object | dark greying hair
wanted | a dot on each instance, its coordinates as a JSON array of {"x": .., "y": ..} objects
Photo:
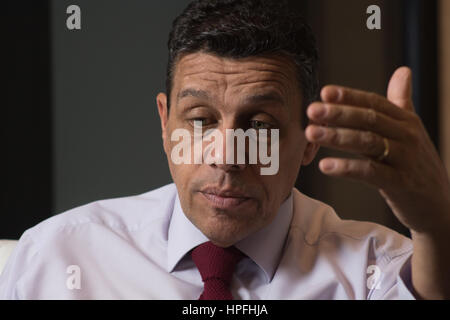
[{"x": 243, "y": 28}]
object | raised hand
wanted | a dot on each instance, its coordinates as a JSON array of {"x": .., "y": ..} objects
[{"x": 398, "y": 155}]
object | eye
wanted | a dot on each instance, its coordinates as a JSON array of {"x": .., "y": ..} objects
[
  {"x": 258, "y": 125},
  {"x": 200, "y": 121}
]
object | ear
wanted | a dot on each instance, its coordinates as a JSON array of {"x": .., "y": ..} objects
[
  {"x": 161, "y": 101},
  {"x": 310, "y": 153},
  {"x": 310, "y": 150}
]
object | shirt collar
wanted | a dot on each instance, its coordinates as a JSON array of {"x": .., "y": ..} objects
[{"x": 264, "y": 247}]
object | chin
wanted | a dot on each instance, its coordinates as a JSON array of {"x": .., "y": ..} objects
[
  {"x": 224, "y": 233},
  {"x": 223, "y": 241}
]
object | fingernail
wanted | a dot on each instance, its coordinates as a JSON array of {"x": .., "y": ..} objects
[
  {"x": 332, "y": 95},
  {"x": 318, "y": 133},
  {"x": 317, "y": 111},
  {"x": 327, "y": 166}
]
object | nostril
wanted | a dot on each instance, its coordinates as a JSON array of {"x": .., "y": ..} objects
[{"x": 228, "y": 167}]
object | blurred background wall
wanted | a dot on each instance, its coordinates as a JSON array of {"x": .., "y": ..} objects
[
  {"x": 80, "y": 118},
  {"x": 354, "y": 56},
  {"x": 107, "y": 135},
  {"x": 444, "y": 79}
]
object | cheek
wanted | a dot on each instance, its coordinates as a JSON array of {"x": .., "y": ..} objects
[
  {"x": 291, "y": 152},
  {"x": 181, "y": 175}
]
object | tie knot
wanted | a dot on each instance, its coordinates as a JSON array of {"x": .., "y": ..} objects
[{"x": 215, "y": 262}]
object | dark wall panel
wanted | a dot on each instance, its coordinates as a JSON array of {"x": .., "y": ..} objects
[{"x": 26, "y": 117}]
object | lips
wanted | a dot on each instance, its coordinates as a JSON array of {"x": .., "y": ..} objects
[{"x": 225, "y": 198}]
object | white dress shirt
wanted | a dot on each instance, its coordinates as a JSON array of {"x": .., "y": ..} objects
[{"x": 138, "y": 248}]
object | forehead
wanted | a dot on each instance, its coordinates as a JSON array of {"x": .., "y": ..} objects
[{"x": 220, "y": 75}]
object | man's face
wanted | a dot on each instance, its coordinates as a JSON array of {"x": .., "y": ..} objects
[{"x": 229, "y": 202}]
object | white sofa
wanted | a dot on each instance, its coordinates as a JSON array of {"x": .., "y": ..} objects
[{"x": 6, "y": 247}]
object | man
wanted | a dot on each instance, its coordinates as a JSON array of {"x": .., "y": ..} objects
[{"x": 224, "y": 230}]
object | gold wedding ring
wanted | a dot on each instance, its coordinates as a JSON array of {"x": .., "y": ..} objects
[{"x": 386, "y": 150}]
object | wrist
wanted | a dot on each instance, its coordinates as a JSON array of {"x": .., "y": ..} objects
[{"x": 434, "y": 226}]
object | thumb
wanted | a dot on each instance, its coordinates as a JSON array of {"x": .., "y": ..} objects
[{"x": 400, "y": 89}]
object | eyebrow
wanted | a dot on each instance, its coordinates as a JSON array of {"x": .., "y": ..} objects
[
  {"x": 193, "y": 93},
  {"x": 264, "y": 98},
  {"x": 252, "y": 99}
]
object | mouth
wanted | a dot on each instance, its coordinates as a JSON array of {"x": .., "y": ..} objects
[{"x": 225, "y": 198}]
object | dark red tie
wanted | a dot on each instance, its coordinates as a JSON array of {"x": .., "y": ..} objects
[{"x": 216, "y": 266}]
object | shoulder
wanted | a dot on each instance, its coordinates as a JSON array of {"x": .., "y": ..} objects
[
  {"x": 319, "y": 225},
  {"x": 357, "y": 259},
  {"x": 124, "y": 213},
  {"x": 91, "y": 235}
]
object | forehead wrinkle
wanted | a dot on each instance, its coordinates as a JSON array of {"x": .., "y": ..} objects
[
  {"x": 276, "y": 72},
  {"x": 218, "y": 74},
  {"x": 230, "y": 67},
  {"x": 226, "y": 73},
  {"x": 267, "y": 73},
  {"x": 268, "y": 85},
  {"x": 256, "y": 91},
  {"x": 203, "y": 72},
  {"x": 249, "y": 82}
]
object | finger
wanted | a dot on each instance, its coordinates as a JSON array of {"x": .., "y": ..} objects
[
  {"x": 362, "y": 99},
  {"x": 355, "y": 118},
  {"x": 358, "y": 142},
  {"x": 374, "y": 173},
  {"x": 400, "y": 89}
]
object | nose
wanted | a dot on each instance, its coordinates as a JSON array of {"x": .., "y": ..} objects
[{"x": 229, "y": 149}]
